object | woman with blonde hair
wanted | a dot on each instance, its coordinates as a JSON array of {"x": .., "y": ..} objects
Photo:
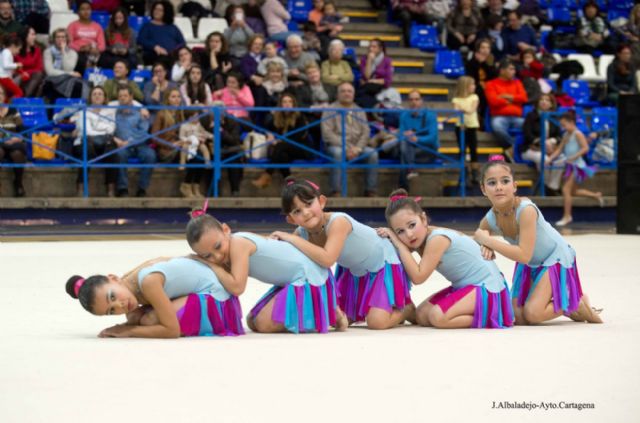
[{"x": 282, "y": 122}]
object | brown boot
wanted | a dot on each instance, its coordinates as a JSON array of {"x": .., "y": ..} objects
[
  {"x": 195, "y": 188},
  {"x": 185, "y": 190},
  {"x": 80, "y": 189},
  {"x": 263, "y": 181}
]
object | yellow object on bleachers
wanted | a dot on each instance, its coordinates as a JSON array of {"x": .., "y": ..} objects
[
  {"x": 370, "y": 37},
  {"x": 359, "y": 14},
  {"x": 424, "y": 91},
  {"x": 407, "y": 64},
  {"x": 481, "y": 150}
]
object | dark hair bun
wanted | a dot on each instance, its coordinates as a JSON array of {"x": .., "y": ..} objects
[
  {"x": 70, "y": 287},
  {"x": 399, "y": 191}
]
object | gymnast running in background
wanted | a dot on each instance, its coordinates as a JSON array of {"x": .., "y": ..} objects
[
  {"x": 546, "y": 284},
  {"x": 478, "y": 296},
  {"x": 161, "y": 298}
]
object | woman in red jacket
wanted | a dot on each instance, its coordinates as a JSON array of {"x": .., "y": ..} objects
[{"x": 32, "y": 71}]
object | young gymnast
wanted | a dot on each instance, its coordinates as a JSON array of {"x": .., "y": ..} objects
[
  {"x": 545, "y": 281},
  {"x": 162, "y": 298},
  {"x": 478, "y": 296},
  {"x": 573, "y": 146},
  {"x": 303, "y": 296},
  {"x": 371, "y": 282}
]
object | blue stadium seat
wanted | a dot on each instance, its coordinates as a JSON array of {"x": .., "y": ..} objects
[
  {"x": 292, "y": 26},
  {"x": 136, "y": 22},
  {"x": 603, "y": 118},
  {"x": 299, "y": 9},
  {"x": 31, "y": 116},
  {"x": 425, "y": 37},
  {"x": 602, "y": 4},
  {"x": 101, "y": 18},
  {"x": 580, "y": 91},
  {"x": 564, "y": 4},
  {"x": 140, "y": 76},
  {"x": 97, "y": 76},
  {"x": 614, "y": 14},
  {"x": 449, "y": 63},
  {"x": 561, "y": 20},
  {"x": 526, "y": 109},
  {"x": 621, "y": 4}
]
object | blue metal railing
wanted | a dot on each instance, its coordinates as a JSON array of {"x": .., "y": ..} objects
[{"x": 78, "y": 113}]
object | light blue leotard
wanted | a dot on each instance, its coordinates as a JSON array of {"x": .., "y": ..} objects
[
  {"x": 364, "y": 251},
  {"x": 571, "y": 148},
  {"x": 280, "y": 263},
  {"x": 184, "y": 276},
  {"x": 550, "y": 247},
  {"x": 462, "y": 263}
]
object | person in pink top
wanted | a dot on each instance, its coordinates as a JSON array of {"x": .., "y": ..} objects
[
  {"x": 235, "y": 94},
  {"x": 86, "y": 37},
  {"x": 276, "y": 17}
]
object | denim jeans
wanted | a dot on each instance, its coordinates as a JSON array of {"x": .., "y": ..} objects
[
  {"x": 409, "y": 153},
  {"x": 501, "y": 126},
  {"x": 146, "y": 155},
  {"x": 371, "y": 174}
]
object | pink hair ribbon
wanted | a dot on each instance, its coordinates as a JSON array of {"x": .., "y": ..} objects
[
  {"x": 496, "y": 157},
  {"x": 77, "y": 286},
  {"x": 200, "y": 212},
  {"x": 398, "y": 197},
  {"x": 313, "y": 185}
]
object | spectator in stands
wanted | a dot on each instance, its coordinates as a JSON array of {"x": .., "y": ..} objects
[
  {"x": 331, "y": 20},
  {"x": 253, "y": 16},
  {"x": 493, "y": 32},
  {"x": 495, "y": 8},
  {"x": 531, "y": 12},
  {"x": 482, "y": 69},
  {"x": 32, "y": 70},
  {"x": 275, "y": 15},
  {"x": 238, "y": 34},
  {"x": 59, "y": 64},
  {"x": 409, "y": 11},
  {"x": 165, "y": 131},
  {"x": 437, "y": 12},
  {"x": 336, "y": 70},
  {"x": 235, "y": 94},
  {"x": 160, "y": 37},
  {"x": 281, "y": 122},
  {"x": 271, "y": 56},
  {"x": 12, "y": 45},
  {"x": 632, "y": 33},
  {"x": 530, "y": 72},
  {"x": 250, "y": 62},
  {"x": 506, "y": 96},
  {"x": 194, "y": 90},
  {"x": 182, "y": 64},
  {"x": 593, "y": 31},
  {"x": 315, "y": 14},
  {"x": 155, "y": 90},
  {"x": 120, "y": 78},
  {"x": 530, "y": 148},
  {"x": 33, "y": 13},
  {"x": 101, "y": 125},
  {"x": 86, "y": 37},
  {"x": 418, "y": 128},
  {"x": 267, "y": 94},
  {"x": 377, "y": 73},
  {"x": 131, "y": 129},
  {"x": 12, "y": 148},
  {"x": 621, "y": 75},
  {"x": 356, "y": 138},
  {"x": 466, "y": 100},
  {"x": 315, "y": 94},
  {"x": 215, "y": 60},
  {"x": 8, "y": 24},
  {"x": 121, "y": 41},
  {"x": 517, "y": 37},
  {"x": 311, "y": 42},
  {"x": 463, "y": 24},
  {"x": 297, "y": 59}
]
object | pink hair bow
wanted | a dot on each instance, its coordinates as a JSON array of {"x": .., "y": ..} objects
[
  {"x": 78, "y": 285},
  {"x": 200, "y": 212}
]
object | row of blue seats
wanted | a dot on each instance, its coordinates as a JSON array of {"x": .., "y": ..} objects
[{"x": 135, "y": 22}]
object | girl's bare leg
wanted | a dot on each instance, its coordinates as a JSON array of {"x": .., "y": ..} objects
[
  {"x": 422, "y": 312},
  {"x": 150, "y": 318},
  {"x": 459, "y": 316},
  {"x": 567, "y": 190},
  {"x": 518, "y": 312},
  {"x": 379, "y": 319},
  {"x": 539, "y": 306},
  {"x": 263, "y": 323}
]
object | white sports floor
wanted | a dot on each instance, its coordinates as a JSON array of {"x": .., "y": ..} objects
[{"x": 53, "y": 368}]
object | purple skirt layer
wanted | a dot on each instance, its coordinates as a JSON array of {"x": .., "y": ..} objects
[
  {"x": 305, "y": 308},
  {"x": 565, "y": 285},
  {"x": 388, "y": 289},
  {"x": 203, "y": 315},
  {"x": 493, "y": 310},
  {"x": 581, "y": 173}
]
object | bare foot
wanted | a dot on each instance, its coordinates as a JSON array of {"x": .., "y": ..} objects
[
  {"x": 342, "y": 323},
  {"x": 410, "y": 314},
  {"x": 585, "y": 313},
  {"x": 600, "y": 199}
]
